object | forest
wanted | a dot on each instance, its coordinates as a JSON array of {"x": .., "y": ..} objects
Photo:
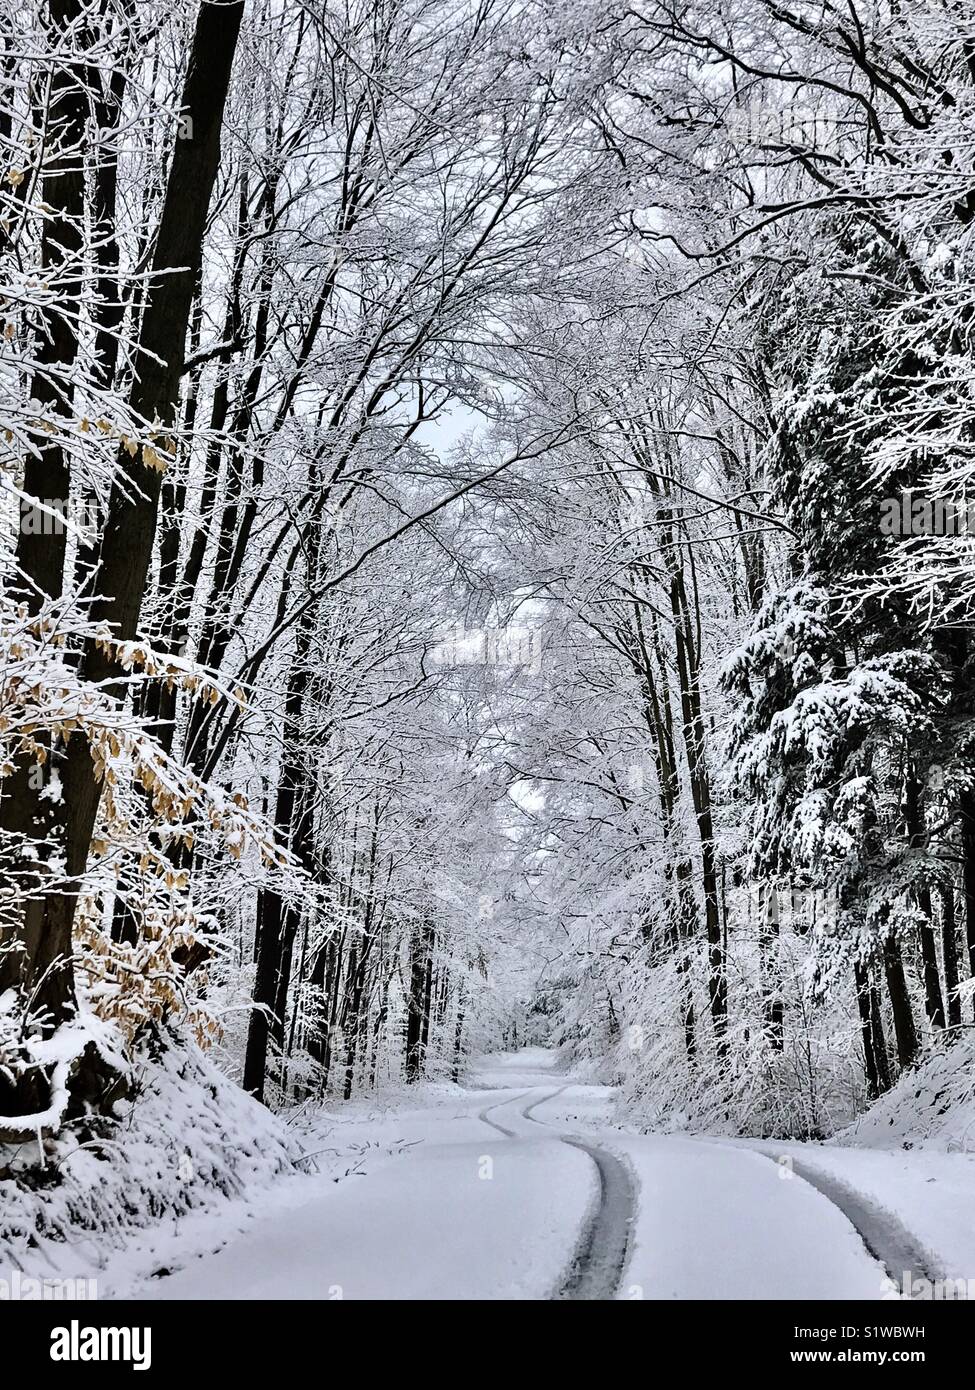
[{"x": 487, "y": 564}]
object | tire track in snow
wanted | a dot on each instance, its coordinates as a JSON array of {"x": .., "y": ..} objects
[
  {"x": 601, "y": 1254},
  {"x": 600, "y": 1258},
  {"x": 885, "y": 1238},
  {"x": 511, "y": 1100},
  {"x": 599, "y": 1262}
]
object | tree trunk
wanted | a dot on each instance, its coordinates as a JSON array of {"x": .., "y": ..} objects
[
  {"x": 904, "y": 1031},
  {"x": 35, "y": 952},
  {"x": 881, "y": 1057},
  {"x": 914, "y": 824},
  {"x": 277, "y": 921},
  {"x": 967, "y": 810},
  {"x": 949, "y": 953},
  {"x": 421, "y": 949},
  {"x": 693, "y": 729},
  {"x": 771, "y": 984},
  {"x": 130, "y": 527},
  {"x": 458, "y": 1036},
  {"x": 871, "y": 1027}
]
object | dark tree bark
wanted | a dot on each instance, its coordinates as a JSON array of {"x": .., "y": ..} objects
[
  {"x": 130, "y": 528},
  {"x": 967, "y": 810},
  {"x": 642, "y": 641},
  {"x": 427, "y": 1007},
  {"x": 420, "y": 954},
  {"x": 687, "y": 625},
  {"x": 458, "y": 1036},
  {"x": 771, "y": 984},
  {"x": 277, "y": 921},
  {"x": 914, "y": 824},
  {"x": 880, "y": 1053},
  {"x": 36, "y": 956},
  {"x": 871, "y": 1030},
  {"x": 905, "y": 1032},
  {"x": 949, "y": 952}
]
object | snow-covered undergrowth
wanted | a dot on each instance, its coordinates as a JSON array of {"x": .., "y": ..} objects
[
  {"x": 931, "y": 1107},
  {"x": 188, "y": 1141},
  {"x": 781, "y": 1095},
  {"x": 803, "y": 1081},
  {"x": 761, "y": 1095}
]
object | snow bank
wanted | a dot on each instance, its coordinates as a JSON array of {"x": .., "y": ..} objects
[
  {"x": 932, "y": 1107},
  {"x": 190, "y": 1140}
]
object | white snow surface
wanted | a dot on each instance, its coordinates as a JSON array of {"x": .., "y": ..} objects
[
  {"x": 427, "y": 1198},
  {"x": 473, "y": 1192},
  {"x": 190, "y": 1152}
]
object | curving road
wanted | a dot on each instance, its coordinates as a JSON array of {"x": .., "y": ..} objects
[
  {"x": 519, "y": 1188},
  {"x": 599, "y": 1260}
]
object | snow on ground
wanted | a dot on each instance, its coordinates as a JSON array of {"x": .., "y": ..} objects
[
  {"x": 529, "y": 1066},
  {"x": 417, "y": 1197},
  {"x": 910, "y": 1159},
  {"x": 478, "y": 1192},
  {"x": 931, "y": 1107},
  {"x": 912, "y": 1154},
  {"x": 931, "y": 1195},
  {"x": 473, "y": 1195},
  {"x": 887, "y": 1164},
  {"x": 191, "y": 1153},
  {"x": 718, "y": 1222},
  {"x": 481, "y": 1220}
]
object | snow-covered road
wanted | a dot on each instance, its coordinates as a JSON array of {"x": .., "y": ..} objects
[{"x": 492, "y": 1193}]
